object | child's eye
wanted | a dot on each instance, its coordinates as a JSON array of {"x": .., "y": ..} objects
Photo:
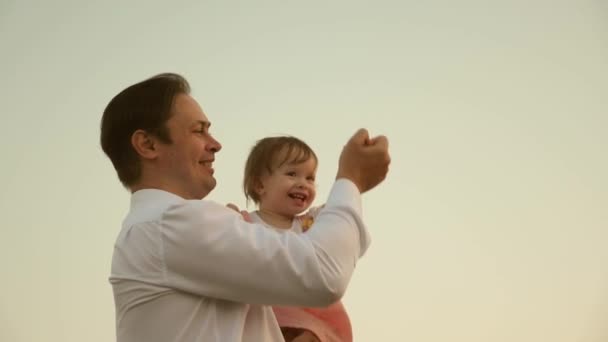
[
  {"x": 291, "y": 174},
  {"x": 312, "y": 179}
]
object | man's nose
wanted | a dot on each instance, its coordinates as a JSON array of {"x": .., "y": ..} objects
[{"x": 215, "y": 145}]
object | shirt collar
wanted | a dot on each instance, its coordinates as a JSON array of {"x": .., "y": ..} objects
[{"x": 150, "y": 204}]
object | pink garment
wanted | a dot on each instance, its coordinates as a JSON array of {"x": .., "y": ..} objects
[{"x": 330, "y": 324}]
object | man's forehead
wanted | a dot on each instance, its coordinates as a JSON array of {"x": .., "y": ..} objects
[{"x": 187, "y": 110}]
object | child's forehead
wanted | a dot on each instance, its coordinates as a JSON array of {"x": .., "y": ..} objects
[{"x": 292, "y": 156}]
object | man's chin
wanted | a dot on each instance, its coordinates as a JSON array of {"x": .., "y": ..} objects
[{"x": 209, "y": 186}]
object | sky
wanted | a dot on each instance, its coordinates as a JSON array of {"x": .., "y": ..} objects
[{"x": 491, "y": 225}]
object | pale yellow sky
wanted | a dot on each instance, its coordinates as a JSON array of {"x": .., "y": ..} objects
[{"x": 492, "y": 225}]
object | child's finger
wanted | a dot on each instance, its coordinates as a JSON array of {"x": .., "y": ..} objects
[
  {"x": 246, "y": 216},
  {"x": 233, "y": 207}
]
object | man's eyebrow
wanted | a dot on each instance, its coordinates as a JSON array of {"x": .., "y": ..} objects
[{"x": 204, "y": 124}]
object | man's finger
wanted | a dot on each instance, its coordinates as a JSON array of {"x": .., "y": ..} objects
[
  {"x": 380, "y": 140},
  {"x": 360, "y": 137}
]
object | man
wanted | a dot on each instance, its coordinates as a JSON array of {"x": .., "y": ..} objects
[{"x": 187, "y": 269}]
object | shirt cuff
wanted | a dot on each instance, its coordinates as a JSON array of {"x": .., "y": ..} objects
[{"x": 345, "y": 193}]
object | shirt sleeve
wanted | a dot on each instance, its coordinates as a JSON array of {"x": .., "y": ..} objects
[{"x": 211, "y": 251}]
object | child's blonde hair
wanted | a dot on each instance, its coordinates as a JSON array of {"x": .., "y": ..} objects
[{"x": 267, "y": 155}]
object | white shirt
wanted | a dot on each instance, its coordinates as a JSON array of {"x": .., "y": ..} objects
[
  {"x": 194, "y": 270},
  {"x": 296, "y": 225}
]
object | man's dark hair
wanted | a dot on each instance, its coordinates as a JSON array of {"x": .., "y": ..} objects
[{"x": 147, "y": 106}]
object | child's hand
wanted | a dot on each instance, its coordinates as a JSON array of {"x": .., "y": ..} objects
[{"x": 243, "y": 213}]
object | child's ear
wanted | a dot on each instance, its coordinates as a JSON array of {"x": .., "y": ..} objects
[{"x": 259, "y": 188}]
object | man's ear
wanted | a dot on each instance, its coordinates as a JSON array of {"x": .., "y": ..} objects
[{"x": 144, "y": 144}]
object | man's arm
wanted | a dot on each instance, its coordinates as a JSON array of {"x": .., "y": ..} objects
[{"x": 209, "y": 250}]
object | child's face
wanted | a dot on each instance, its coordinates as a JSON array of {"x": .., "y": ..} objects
[{"x": 289, "y": 189}]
